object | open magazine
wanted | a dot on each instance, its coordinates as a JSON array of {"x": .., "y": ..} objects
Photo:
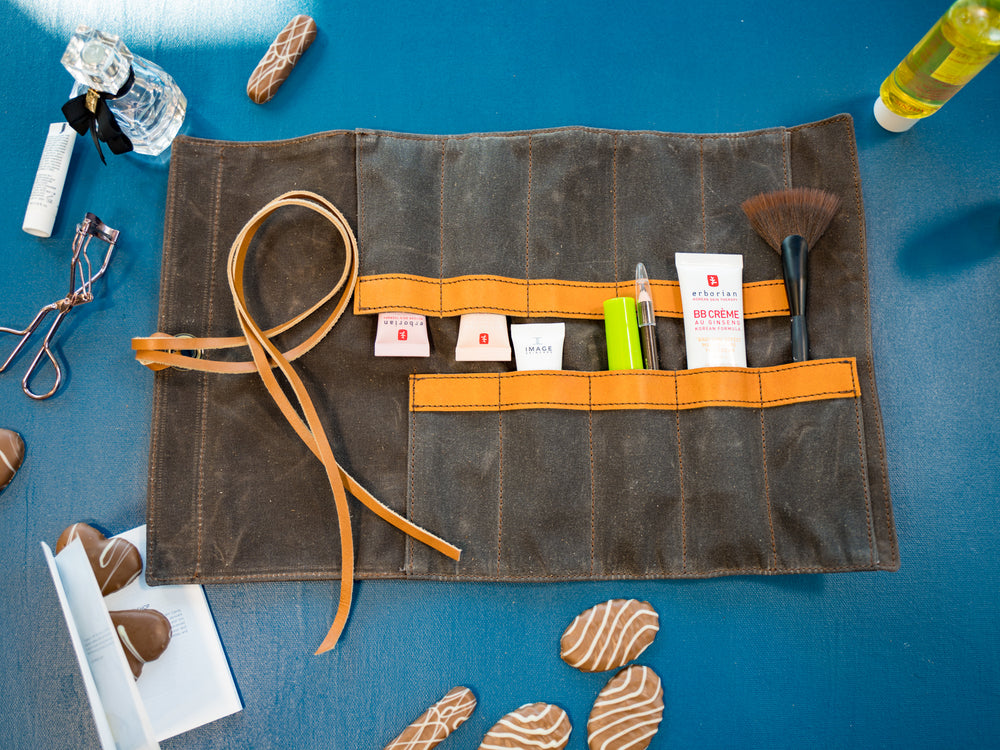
[{"x": 191, "y": 684}]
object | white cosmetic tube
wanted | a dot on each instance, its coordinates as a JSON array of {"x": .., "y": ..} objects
[
  {"x": 40, "y": 216},
  {"x": 538, "y": 346},
  {"x": 402, "y": 335},
  {"x": 712, "y": 301},
  {"x": 482, "y": 337}
]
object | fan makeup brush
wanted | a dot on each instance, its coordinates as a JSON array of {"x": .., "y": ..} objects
[{"x": 791, "y": 221}]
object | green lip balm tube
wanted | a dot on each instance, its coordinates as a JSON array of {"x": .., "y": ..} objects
[{"x": 622, "y": 330}]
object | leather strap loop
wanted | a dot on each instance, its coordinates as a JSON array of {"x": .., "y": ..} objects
[{"x": 159, "y": 351}]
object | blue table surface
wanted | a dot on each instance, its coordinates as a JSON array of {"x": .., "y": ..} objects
[{"x": 881, "y": 660}]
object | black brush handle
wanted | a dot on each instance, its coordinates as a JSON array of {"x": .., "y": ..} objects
[
  {"x": 800, "y": 339},
  {"x": 795, "y": 266}
]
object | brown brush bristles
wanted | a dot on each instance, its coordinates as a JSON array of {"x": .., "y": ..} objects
[{"x": 803, "y": 211}]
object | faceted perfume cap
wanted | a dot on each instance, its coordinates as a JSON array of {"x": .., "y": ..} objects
[
  {"x": 890, "y": 120},
  {"x": 622, "y": 331},
  {"x": 97, "y": 60}
]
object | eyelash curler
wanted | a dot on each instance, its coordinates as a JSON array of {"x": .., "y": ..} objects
[{"x": 80, "y": 272}]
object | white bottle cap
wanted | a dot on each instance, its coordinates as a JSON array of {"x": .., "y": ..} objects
[
  {"x": 39, "y": 220},
  {"x": 890, "y": 120}
]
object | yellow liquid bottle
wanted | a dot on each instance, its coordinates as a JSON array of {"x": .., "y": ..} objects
[{"x": 959, "y": 45}]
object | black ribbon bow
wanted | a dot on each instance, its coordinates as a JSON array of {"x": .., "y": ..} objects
[{"x": 90, "y": 111}]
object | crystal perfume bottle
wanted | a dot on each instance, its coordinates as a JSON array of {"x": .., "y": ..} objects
[{"x": 144, "y": 101}]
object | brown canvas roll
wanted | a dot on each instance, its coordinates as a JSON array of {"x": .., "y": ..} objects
[{"x": 778, "y": 468}]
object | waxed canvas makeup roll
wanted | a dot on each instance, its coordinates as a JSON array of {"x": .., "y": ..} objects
[{"x": 775, "y": 469}]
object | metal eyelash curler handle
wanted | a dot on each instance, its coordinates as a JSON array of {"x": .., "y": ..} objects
[{"x": 80, "y": 292}]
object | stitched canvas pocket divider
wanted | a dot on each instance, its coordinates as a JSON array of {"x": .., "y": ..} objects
[{"x": 693, "y": 473}]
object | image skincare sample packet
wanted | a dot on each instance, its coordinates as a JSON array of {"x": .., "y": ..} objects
[{"x": 538, "y": 346}]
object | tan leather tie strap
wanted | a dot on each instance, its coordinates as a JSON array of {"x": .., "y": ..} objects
[{"x": 160, "y": 351}]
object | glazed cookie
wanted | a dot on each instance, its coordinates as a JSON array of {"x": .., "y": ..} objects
[
  {"x": 11, "y": 455},
  {"x": 280, "y": 58},
  {"x": 609, "y": 635},
  {"x": 627, "y": 712},
  {"x": 144, "y": 635},
  {"x": 437, "y": 722},
  {"x": 535, "y": 725},
  {"x": 116, "y": 562}
]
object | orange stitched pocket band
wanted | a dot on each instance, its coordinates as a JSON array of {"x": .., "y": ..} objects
[
  {"x": 537, "y": 298},
  {"x": 751, "y": 388}
]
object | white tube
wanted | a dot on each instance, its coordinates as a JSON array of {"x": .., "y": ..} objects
[
  {"x": 402, "y": 335},
  {"x": 482, "y": 337},
  {"x": 46, "y": 193},
  {"x": 538, "y": 346},
  {"x": 712, "y": 301}
]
